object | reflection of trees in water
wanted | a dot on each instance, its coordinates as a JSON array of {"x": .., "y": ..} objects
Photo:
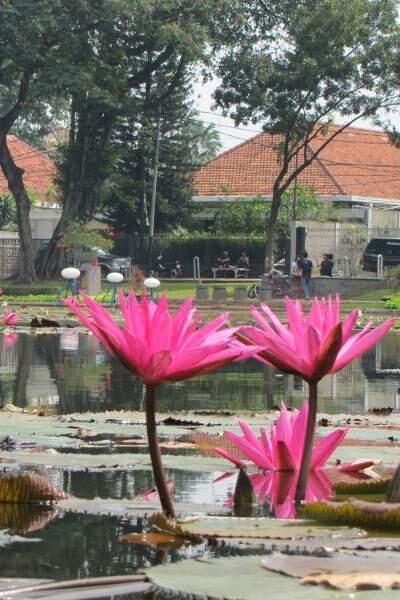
[
  {"x": 248, "y": 385},
  {"x": 89, "y": 380},
  {"x": 77, "y": 546}
]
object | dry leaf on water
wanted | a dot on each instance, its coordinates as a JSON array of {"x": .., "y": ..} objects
[
  {"x": 153, "y": 539},
  {"x": 29, "y": 487},
  {"x": 340, "y": 570}
]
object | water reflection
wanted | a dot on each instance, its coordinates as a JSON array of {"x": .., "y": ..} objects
[
  {"x": 277, "y": 490},
  {"x": 72, "y": 372}
]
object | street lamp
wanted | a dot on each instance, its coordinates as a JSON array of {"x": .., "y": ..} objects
[
  {"x": 114, "y": 279},
  {"x": 151, "y": 284},
  {"x": 71, "y": 275}
]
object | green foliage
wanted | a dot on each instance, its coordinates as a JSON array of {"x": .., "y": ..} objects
[
  {"x": 392, "y": 277},
  {"x": 80, "y": 235},
  {"x": 8, "y": 212},
  {"x": 393, "y": 302},
  {"x": 291, "y": 66},
  {"x": 249, "y": 215}
]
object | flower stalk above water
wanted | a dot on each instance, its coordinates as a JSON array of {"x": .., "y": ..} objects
[
  {"x": 311, "y": 347},
  {"x": 161, "y": 347}
]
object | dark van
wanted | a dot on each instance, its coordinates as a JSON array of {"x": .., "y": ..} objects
[{"x": 388, "y": 247}]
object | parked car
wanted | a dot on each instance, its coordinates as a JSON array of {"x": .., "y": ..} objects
[
  {"x": 110, "y": 262},
  {"x": 388, "y": 247}
]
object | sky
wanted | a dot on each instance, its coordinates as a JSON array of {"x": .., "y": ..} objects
[{"x": 232, "y": 136}]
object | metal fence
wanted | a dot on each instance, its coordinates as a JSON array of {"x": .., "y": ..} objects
[
  {"x": 345, "y": 241},
  {"x": 9, "y": 252}
]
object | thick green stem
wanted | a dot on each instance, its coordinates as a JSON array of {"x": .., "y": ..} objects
[
  {"x": 155, "y": 454},
  {"x": 308, "y": 443}
]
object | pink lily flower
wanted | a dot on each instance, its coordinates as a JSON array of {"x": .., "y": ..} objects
[
  {"x": 311, "y": 346},
  {"x": 282, "y": 449},
  {"x": 10, "y": 319},
  {"x": 160, "y": 347}
]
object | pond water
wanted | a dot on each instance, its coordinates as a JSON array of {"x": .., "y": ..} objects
[{"x": 71, "y": 372}]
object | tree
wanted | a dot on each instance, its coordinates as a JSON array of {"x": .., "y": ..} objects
[
  {"x": 185, "y": 143},
  {"x": 116, "y": 64},
  {"x": 35, "y": 41},
  {"x": 248, "y": 214},
  {"x": 293, "y": 66}
]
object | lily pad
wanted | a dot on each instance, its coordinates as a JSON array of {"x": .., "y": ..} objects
[
  {"x": 371, "y": 515},
  {"x": 340, "y": 570},
  {"x": 259, "y": 528},
  {"x": 240, "y": 578}
]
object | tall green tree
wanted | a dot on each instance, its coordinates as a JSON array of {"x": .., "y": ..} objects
[
  {"x": 295, "y": 66},
  {"x": 184, "y": 144},
  {"x": 29, "y": 36},
  {"x": 116, "y": 64}
]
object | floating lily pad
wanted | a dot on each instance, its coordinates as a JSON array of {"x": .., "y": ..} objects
[
  {"x": 340, "y": 570},
  {"x": 257, "y": 528},
  {"x": 240, "y": 578},
  {"x": 371, "y": 515}
]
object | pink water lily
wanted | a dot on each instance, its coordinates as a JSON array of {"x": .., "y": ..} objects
[
  {"x": 160, "y": 347},
  {"x": 282, "y": 448},
  {"x": 311, "y": 347},
  {"x": 10, "y": 319},
  {"x": 314, "y": 345}
]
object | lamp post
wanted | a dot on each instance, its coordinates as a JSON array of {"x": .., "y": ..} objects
[
  {"x": 71, "y": 275},
  {"x": 114, "y": 279},
  {"x": 151, "y": 284}
]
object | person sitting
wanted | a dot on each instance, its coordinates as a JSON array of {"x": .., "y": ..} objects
[
  {"x": 243, "y": 263},
  {"x": 224, "y": 261},
  {"x": 326, "y": 266}
]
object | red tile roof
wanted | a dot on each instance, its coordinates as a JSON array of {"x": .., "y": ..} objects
[
  {"x": 39, "y": 168},
  {"x": 358, "y": 162}
]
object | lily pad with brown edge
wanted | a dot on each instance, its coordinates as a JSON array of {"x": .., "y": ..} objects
[
  {"x": 28, "y": 488},
  {"x": 215, "y": 527},
  {"x": 340, "y": 570},
  {"x": 361, "y": 488},
  {"x": 241, "y": 578},
  {"x": 353, "y": 512}
]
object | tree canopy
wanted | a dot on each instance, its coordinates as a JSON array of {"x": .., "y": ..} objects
[{"x": 295, "y": 66}]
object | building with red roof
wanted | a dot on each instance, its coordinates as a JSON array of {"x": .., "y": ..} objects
[
  {"x": 358, "y": 171},
  {"x": 39, "y": 170}
]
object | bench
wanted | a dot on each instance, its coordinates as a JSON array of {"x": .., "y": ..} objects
[{"x": 238, "y": 272}]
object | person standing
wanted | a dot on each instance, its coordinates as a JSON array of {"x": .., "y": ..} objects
[
  {"x": 306, "y": 268},
  {"x": 295, "y": 274}
]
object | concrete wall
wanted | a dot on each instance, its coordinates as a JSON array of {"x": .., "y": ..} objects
[
  {"x": 347, "y": 287},
  {"x": 43, "y": 222}
]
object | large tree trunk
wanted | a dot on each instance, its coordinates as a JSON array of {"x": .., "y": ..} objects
[
  {"x": 270, "y": 230},
  {"x": 85, "y": 163},
  {"x": 14, "y": 176}
]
